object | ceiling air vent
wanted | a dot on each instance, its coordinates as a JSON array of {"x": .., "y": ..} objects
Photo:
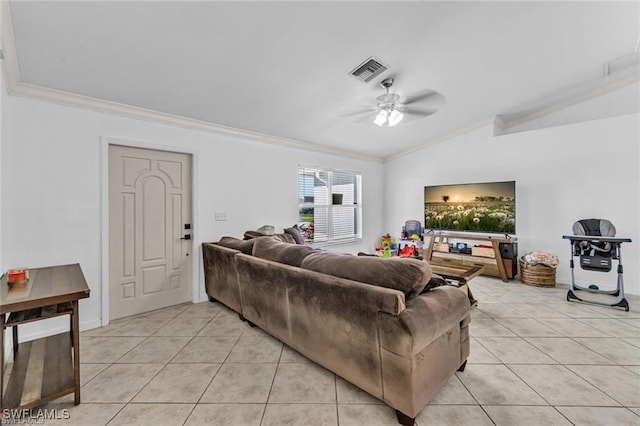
[{"x": 368, "y": 70}]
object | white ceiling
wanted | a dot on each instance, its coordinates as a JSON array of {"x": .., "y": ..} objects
[{"x": 281, "y": 68}]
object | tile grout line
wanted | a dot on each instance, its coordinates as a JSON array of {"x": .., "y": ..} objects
[
  {"x": 564, "y": 365},
  {"x": 127, "y": 403},
  {"x": 217, "y": 371},
  {"x": 561, "y": 306},
  {"x": 273, "y": 380}
]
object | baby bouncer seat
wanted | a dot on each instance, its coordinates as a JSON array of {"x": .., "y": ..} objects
[{"x": 594, "y": 242}]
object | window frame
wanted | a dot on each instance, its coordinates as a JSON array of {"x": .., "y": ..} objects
[{"x": 329, "y": 206}]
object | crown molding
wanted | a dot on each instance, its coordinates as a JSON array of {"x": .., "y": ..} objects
[
  {"x": 10, "y": 61},
  {"x": 450, "y": 135},
  {"x": 625, "y": 74},
  {"x": 61, "y": 97},
  {"x": 513, "y": 122},
  {"x": 16, "y": 87}
]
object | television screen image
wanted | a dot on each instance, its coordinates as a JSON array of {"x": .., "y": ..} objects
[{"x": 476, "y": 207}]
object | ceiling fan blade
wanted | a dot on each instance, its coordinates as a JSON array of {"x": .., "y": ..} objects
[
  {"x": 363, "y": 116},
  {"x": 365, "y": 119},
  {"x": 359, "y": 113},
  {"x": 427, "y": 97},
  {"x": 422, "y": 112}
]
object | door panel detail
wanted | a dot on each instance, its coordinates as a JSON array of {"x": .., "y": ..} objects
[{"x": 149, "y": 203}]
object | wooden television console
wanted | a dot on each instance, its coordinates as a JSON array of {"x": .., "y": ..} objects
[{"x": 504, "y": 264}]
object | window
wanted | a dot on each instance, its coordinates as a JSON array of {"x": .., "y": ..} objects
[{"x": 329, "y": 205}]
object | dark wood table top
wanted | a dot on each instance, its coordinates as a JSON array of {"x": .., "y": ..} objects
[
  {"x": 459, "y": 273},
  {"x": 46, "y": 286}
]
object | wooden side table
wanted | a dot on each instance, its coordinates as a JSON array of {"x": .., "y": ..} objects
[{"x": 47, "y": 368}]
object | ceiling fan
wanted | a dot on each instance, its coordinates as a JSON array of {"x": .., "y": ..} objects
[{"x": 391, "y": 109}]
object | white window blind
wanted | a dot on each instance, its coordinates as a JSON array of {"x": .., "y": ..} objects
[{"x": 329, "y": 205}]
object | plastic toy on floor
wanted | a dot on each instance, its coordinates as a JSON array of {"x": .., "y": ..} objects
[
  {"x": 594, "y": 242},
  {"x": 408, "y": 251}
]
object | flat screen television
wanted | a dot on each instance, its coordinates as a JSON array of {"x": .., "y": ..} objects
[{"x": 488, "y": 207}]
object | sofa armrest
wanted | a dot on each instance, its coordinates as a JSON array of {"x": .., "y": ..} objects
[
  {"x": 425, "y": 318},
  {"x": 220, "y": 278}
]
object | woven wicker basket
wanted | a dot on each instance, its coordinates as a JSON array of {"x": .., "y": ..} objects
[{"x": 537, "y": 275}]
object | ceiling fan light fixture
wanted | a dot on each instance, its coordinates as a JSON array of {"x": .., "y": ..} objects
[
  {"x": 390, "y": 108},
  {"x": 395, "y": 117},
  {"x": 382, "y": 117},
  {"x": 388, "y": 118}
]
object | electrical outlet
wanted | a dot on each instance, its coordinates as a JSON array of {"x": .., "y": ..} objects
[{"x": 220, "y": 216}]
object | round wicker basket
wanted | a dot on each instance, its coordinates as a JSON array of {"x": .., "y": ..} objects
[{"x": 537, "y": 275}]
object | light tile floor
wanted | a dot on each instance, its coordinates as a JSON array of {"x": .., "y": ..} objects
[{"x": 536, "y": 359}]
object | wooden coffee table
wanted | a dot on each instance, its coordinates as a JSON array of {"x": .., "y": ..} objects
[
  {"x": 458, "y": 273},
  {"x": 461, "y": 274}
]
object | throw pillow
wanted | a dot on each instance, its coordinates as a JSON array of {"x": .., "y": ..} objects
[
  {"x": 409, "y": 276},
  {"x": 245, "y": 247},
  {"x": 271, "y": 249},
  {"x": 253, "y": 234},
  {"x": 294, "y": 231},
  {"x": 285, "y": 238}
]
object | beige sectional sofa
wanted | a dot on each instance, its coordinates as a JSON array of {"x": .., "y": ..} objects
[{"x": 367, "y": 319}]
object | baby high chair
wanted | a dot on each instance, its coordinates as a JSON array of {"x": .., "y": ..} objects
[{"x": 594, "y": 242}]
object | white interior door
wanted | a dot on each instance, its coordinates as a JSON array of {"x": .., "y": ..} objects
[{"x": 149, "y": 216}]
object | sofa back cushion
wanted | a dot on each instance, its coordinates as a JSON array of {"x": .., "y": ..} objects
[
  {"x": 272, "y": 249},
  {"x": 409, "y": 276},
  {"x": 285, "y": 238},
  {"x": 230, "y": 242},
  {"x": 295, "y": 232},
  {"x": 253, "y": 234}
]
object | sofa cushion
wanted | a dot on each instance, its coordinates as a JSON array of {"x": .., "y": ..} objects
[
  {"x": 271, "y": 249},
  {"x": 295, "y": 232},
  {"x": 230, "y": 242},
  {"x": 253, "y": 234},
  {"x": 285, "y": 238},
  {"x": 409, "y": 276}
]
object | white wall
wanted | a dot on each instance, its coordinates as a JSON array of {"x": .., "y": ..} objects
[
  {"x": 51, "y": 185},
  {"x": 562, "y": 174},
  {"x": 51, "y": 203},
  {"x": 3, "y": 96}
]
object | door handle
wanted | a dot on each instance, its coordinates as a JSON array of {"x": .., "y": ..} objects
[{"x": 186, "y": 237}]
